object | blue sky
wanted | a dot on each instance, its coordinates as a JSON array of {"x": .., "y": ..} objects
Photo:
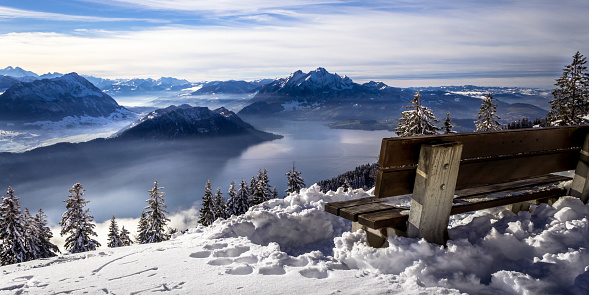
[{"x": 403, "y": 43}]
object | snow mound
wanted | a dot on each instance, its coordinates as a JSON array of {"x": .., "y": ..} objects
[{"x": 292, "y": 246}]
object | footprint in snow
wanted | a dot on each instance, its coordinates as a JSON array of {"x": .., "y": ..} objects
[
  {"x": 220, "y": 261},
  {"x": 313, "y": 273},
  {"x": 231, "y": 252},
  {"x": 240, "y": 269},
  {"x": 216, "y": 246},
  {"x": 201, "y": 254}
]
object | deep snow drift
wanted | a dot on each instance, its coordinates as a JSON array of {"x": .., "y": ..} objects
[{"x": 291, "y": 246}]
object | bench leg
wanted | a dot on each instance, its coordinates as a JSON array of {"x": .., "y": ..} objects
[
  {"x": 580, "y": 185},
  {"x": 517, "y": 207},
  {"x": 433, "y": 192},
  {"x": 377, "y": 238}
]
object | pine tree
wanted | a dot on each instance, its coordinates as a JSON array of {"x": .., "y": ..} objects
[
  {"x": 295, "y": 181},
  {"x": 142, "y": 227},
  {"x": 238, "y": 203},
  {"x": 114, "y": 239},
  {"x": 44, "y": 235},
  {"x": 346, "y": 185},
  {"x": 252, "y": 187},
  {"x": 207, "y": 215},
  {"x": 219, "y": 206},
  {"x": 262, "y": 192},
  {"x": 571, "y": 96},
  {"x": 274, "y": 193},
  {"x": 77, "y": 222},
  {"x": 488, "y": 115},
  {"x": 12, "y": 231},
  {"x": 155, "y": 219},
  {"x": 448, "y": 124},
  {"x": 124, "y": 234},
  {"x": 32, "y": 244},
  {"x": 417, "y": 120}
]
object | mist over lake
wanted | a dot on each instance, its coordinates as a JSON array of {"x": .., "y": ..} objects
[{"x": 117, "y": 175}]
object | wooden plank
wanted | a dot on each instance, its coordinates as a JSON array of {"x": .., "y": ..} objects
[
  {"x": 398, "y": 217},
  {"x": 402, "y": 151},
  {"x": 433, "y": 192},
  {"x": 389, "y": 218},
  {"x": 334, "y": 207},
  {"x": 511, "y": 186},
  {"x": 580, "y": 185},
  {"x": 399, "y": 181},
  {"x": 351, "y": 213},
  {"x": 496, "y": 202}
]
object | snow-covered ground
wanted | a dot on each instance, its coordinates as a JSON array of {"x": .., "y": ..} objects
[{"x": 291, "y": 246}]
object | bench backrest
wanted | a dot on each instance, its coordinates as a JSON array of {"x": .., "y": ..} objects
[{"x": 487, "y": 157}]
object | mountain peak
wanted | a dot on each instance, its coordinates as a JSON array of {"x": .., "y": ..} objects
[{"x": 17, "y": 72}]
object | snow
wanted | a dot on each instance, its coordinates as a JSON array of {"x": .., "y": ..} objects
[{"x": 291, "y": 246}]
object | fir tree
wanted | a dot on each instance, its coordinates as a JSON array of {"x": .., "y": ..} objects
[
  {"x": 417, "y": 120},
  {"x": 448, "y": 124},
  {"x": 77, "y": 222},
  {"x": 571, "y": 96},
  {"x": 295, "y": 181},
  {"x": 207, "y": 215},
  {"x": 238, "y": 203},
  {"x": 155, "y": 218},
  {"x": 488, "y": 115},
  {"x": 262, "y": 192},
  {"x": 142, "y": 227},
  {"x": 219, "y": 206},
  {"x": 114, "y": 239},
  {"x": 274, "y": 193},
  {"x": 43, "y": 236},
  {"x": 31, "y": 234},
  {"x": 252, "y": 187},
  {"x": 124, "y": 234},
  {"x": 12, "y": 231},
  {"x": 346, "y": 185}
]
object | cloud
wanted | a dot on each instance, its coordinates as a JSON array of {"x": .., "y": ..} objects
[{"x": 14, "y": 13}]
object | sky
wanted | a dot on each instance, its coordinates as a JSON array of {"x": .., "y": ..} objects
[{"x": 402, "y": 43}]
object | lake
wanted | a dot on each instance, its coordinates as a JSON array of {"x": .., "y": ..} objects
[{"x": 117, "y": 177}]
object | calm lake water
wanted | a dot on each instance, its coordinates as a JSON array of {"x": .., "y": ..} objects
[{"x": 117, "y": 181}]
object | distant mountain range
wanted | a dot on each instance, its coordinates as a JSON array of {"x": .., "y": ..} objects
[
  {"x": 56, "y": 98},
  {"x": 180, "y": 122},
  {"x": 320, "y": 95},
  {"x": 231, "y": 87}
]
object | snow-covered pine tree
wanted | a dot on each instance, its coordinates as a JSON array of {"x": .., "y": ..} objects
[
  {"x": 253, "y": 186},
  {"x": 219, "y": 206},
  {"x": 262, "y": 192},
  {"x": 44, "y": 235},
  {"x": 114, "y": 239},
  {"x": 488, "y": 115},
  {"x": 207, "y": 215},
  {"x": 417, "y": 120},
  {"x": 346, "y": 185},
  {"x": 142, "y": 227},
  {"x": 77, "y": 222},
  {"x": 232, "y": 201},
  {"x": 125, "y": 239},
  {"x": 274, "y": 193},
  {"x": 239, "y": 203},
  {"x": 13, "y": 231},
  {"x": 295, "y": 181},
  {"x": 155, "y": 217},
  {"x": 448, "y": 124},
  {"x": 31, "y": 234},
  {"x": 571, "y": 96}
]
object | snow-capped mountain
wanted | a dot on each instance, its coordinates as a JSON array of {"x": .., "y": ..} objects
[
  {"x": 17, "y": 72},
  {"x": 7, "y": 82},
  {"x": 141, "y": 85},
  {"x": 230, "y": 87},
  {"x": 55, "y": 99},
  {"x": 190, "y": 122},
  {"x": 50, "y": 75}
]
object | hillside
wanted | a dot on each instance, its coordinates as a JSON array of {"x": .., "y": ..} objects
[
  {"x": 291, "y": 246},
  {"x": 54, "y": 99}
]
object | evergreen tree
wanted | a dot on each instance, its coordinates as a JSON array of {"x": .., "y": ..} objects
[
  {"x": 219, "y": 206},
  {"x": 417, "y": 120},
  {"x": 448, "y": 124},
  {"x": 207, "y": 215},
  {"x": 142, "y": 227},
  {"x": 77, "y": 222},
  {"x": 32, "y": 244},
  {"x": 13, "y": 244},
  {"x": 488, "y": 115},
  {"x": 262, "y": 192},
  {"x": 275, "y": 193},
  {"x": 252, "y": 187},
  {"x": 155, "y": 218},
  {"x": 114, "y": 239},
  {"x": 238, "y": 203},
  {"x": 346, "y": 185},
  {"x": 571, "y": 96},
  {"x": 295, "y": 181},
  {"x": 43, "y": 236},
  {"x": 124, "y": 235}
]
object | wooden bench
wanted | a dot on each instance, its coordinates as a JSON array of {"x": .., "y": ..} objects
[{"x": 458, "y": 173}]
